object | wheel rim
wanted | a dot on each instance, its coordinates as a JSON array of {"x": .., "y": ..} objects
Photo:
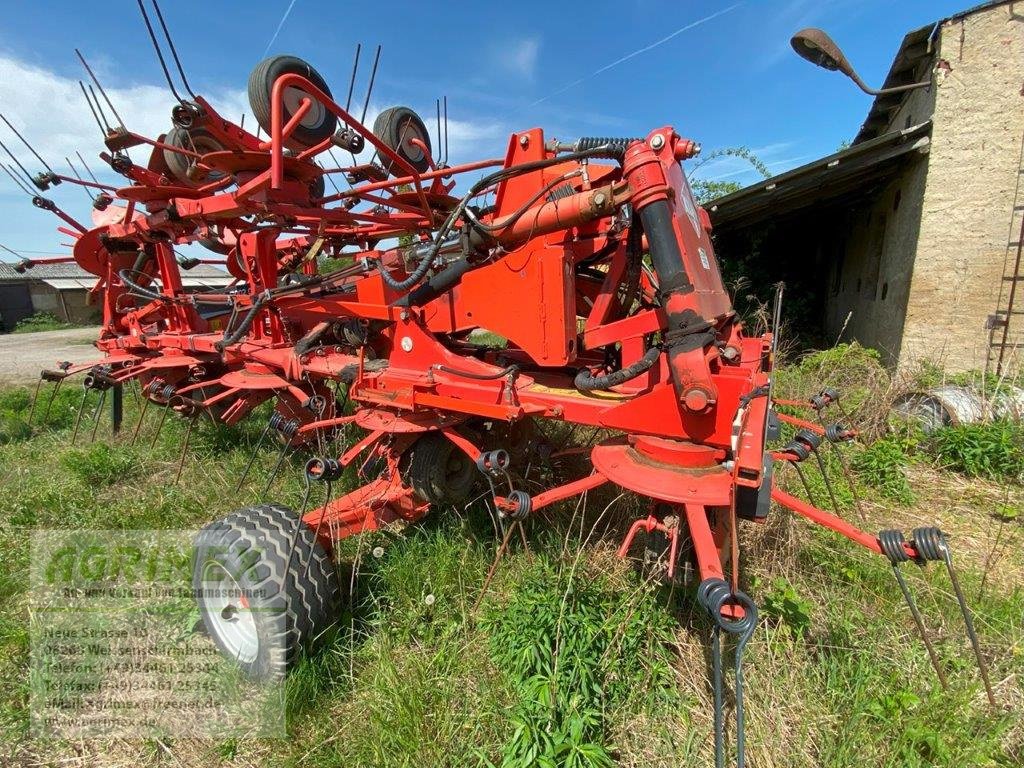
[
  {"x": 228, "y": 613},
  {"x": 407, "y": 131},
  {"x": 293, "y": 98}
]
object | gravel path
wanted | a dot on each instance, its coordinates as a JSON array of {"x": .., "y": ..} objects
[{"x": 24, "y": 355}]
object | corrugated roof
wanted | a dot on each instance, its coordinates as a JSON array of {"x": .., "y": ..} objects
[
  {"x": 825, "y": 180},
  {"x": 71, "y": 271}
]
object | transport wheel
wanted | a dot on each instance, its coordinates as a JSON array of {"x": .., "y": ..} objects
[
  {"x": 397, "y": 127},
  {"x": 184, "y": 167},
  {"x": 439, "y": 471},
  {"x": 261, "y": 610},
  {"x": 317, "y": 188},
  {"x": 318, "y": 124}
]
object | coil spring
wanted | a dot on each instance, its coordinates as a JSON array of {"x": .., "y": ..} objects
[
  {"x": 493, "y": 462},
  {"x": 824, "y": 398},
  {"x": 930, "y": 543},
  {"x": 616, "y": 145},
  {"x": 714, "y": 594},
  {"x": 167, "y": 392},
  {"x": 560, "y": 192},
  {"x": 323, "y": 469},
  {"x": 281, "y": 423},
  {"x": 838, "y": 433},
  {"x": 803, "y": 443},
  {"x": 524, "y": 505},
  {"x": 891, "y": 542},
  {"x": 316, "y": 404}
]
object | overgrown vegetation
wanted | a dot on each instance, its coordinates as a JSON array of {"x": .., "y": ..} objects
[
  {"x": 41, "y": 321},
  {"x": 572, "y": 658}
]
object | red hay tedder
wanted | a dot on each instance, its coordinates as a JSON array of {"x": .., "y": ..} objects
[{"x": 590, "y": 257}]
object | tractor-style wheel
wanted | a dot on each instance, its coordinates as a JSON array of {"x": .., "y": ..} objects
[
  {"x": 318, "y": 124},
  {"x": 439, "y": 471},
  {"x": 261, "y": 607},
  {"x": 184, "y": 167},
  {"x": 397, "y": 127}
]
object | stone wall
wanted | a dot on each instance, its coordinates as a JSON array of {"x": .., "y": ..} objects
[{"x": 974, "y": 170}]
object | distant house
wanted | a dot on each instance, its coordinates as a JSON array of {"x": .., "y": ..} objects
[
  {"x": 63, "y": 290},
  {"x": 909, "y": 240}
]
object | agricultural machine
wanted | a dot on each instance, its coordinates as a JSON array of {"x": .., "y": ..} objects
[{"x": 590, "y": 257}]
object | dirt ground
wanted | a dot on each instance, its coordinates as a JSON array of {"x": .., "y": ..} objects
[{"x": 24, "y": 355}]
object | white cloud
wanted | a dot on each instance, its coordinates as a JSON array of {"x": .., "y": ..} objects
[
  {"x": 519, "y": 56},
  {"x": 50, "y": 111}
]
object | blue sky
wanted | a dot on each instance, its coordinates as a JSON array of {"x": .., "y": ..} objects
[{"x": 720, "y": 73}]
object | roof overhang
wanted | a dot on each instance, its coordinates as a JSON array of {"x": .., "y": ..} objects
[{"x": 824, "y": 181}]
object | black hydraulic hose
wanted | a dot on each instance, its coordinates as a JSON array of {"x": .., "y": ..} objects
[
  {"x": 510, "y": 370},
  {"x": 423, "y": 267},
  {"x": 140, "y": 290},
  {"x": 586, "y": 381},
  {"x": 243, "y": 327}
]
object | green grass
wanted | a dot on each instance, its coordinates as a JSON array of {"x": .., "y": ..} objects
[{"x": 571, "y": 659}]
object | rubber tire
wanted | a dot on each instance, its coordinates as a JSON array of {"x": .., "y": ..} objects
[
  {"x": 388, "y": 127},
  {"x": 292, "y": 611},
  {"x": 317, "y": 188},
  {"x": 179, "y": 164},
  {"x": 261, "y": 84},
  {"x": 430, "y": 475}
]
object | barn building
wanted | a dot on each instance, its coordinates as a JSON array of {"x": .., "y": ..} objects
[
  {"x": 909, "y": 240},
  {"x": 62, "y": 290}
]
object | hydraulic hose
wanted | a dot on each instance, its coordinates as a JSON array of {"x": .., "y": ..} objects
[
  {"x": 586, "y": 381},
  {"x": 243, "y": 327},
  {"x": 423, "y": 267}
]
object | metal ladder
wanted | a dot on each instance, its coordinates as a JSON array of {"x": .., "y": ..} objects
[{"x": 1006, "y": 342}]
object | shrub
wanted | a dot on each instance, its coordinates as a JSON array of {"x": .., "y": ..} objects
[
  {"x": 994, "y": 450},
  {"x": 882, "y": 465},
  {"x": 41, "y": 321}
]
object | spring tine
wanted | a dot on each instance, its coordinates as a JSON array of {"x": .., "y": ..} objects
[
  {"x": 78, "y": 418},
  {"x": 138, "y": 424},
  {"x": 174, "y": 51},
  {"x": 919, "y": 621},
  {"x": 352, "y": 80},
  {"x": 35, "y": 397},
  {"x": 17, "y": 162},
  {"x": 77, "y": 176},
  {"x": 159, "y": 54},
  {"x": 828, "y": 483},
  {"x": 87, "y": 168},
  {"x": 445, "y": 130},
  {"x": 18, "y": 182},
  {"x": 97, "y": 414},
  {"x": 494, "y": 568},
  {"x": 252, "y": 459},
  {"x": 369, "y": 89},
  {"x": 99, "y": 87},
  {"x": 437, "y": 103},
  {"x": 159, "y": 426},
  {"x": 53, "y": 396},
  {"x": 319, "y": 524},
  {"x": 184, "y": 446},
  {"x": 803, "y": 479},
  {"x": 277, "y": 468},
  {"x": 968, "y": 622},
  {"x": 92, "y": 109},
  {"x": 30, "y": 147},
  {"x": 103, "y": 115},
  {"x": 298, "y": 527},
  {"x": 847, "y": 474}
]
